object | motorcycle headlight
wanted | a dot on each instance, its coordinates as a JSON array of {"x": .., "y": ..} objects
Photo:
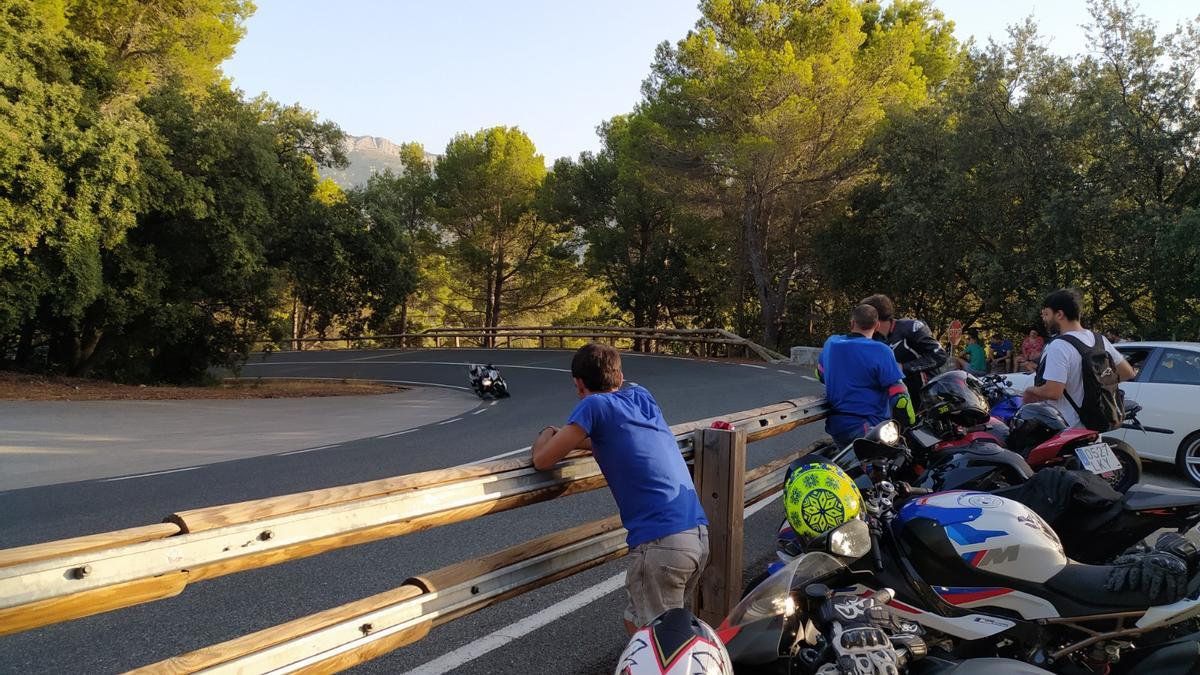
[
  {"x": 889, "y": 433},
  {"x": 487, "y": 382}
]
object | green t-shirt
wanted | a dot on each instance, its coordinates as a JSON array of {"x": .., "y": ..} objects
[{"x": 976, "y": 358}]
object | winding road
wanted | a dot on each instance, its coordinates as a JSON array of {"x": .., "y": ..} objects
[{"x": 569, "y": 626}]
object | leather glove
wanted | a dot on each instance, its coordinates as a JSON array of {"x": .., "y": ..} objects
[
  {"x": 1161, "y": 576},
  {"x": 1179, "y": 546}
]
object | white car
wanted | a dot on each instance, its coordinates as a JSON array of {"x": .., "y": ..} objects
[{"x": 1167, "y": 386}]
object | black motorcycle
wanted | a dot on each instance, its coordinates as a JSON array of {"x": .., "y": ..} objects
[{"x": 486, "y": 381}]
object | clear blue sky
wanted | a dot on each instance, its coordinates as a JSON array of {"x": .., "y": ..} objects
[{"x": 415, "y": 70}]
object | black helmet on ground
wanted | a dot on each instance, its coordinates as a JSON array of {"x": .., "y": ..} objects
[
  {"x": 1034, "y": 424},
  {"x": 956, "y": 397}
]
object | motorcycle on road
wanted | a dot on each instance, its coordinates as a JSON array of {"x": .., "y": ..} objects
[{"x": 486, "y": 381}]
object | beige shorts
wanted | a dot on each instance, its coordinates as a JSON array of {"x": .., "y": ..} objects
[{"x": 663, "y": 573}]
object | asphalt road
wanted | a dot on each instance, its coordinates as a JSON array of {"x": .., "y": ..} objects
[{"x": 587, "y": 640}]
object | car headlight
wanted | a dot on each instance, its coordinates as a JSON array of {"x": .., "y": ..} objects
[{"x": 889, "y": 433}]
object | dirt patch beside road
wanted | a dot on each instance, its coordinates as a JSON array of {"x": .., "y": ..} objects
[{"x": 27, "y": 387}]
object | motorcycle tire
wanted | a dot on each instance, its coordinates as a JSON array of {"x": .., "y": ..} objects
[{"x": 1131, "y": 464}]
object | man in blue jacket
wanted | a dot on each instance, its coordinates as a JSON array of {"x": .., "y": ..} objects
[{"x": 863, "y": 381}]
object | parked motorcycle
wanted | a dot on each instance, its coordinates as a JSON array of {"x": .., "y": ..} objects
[
  {"x": 958, "y": 412},
  {"x": 486, "y": 381},
  {"x": 795, "y": 622},
  {"x": 1096, "y": 523},
  {"x": 982, "y": 572}
]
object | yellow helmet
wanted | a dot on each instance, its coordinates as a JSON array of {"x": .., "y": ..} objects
[{"x": 819, "y": 497}]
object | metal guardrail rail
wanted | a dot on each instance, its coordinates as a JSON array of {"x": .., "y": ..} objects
[
  {"x": 58, "y": 581},
  {"x": 701, "y": 341}
]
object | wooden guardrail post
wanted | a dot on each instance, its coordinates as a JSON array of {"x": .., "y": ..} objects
[{"x": 720, "y": 472}]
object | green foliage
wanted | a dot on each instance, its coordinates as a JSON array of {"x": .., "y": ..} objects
[
  {"x": 69, "y": 173},
  {"x": 1033, "y": 172},
  {"x": 505, "y": 260},
  {"x": 150, "y": 41},
  {"x": 658, "y": 264},
  {"x": 788, "y": 158},
  {"x": 764, "y": 112}
]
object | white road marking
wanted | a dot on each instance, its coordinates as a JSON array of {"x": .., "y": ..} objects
[
  {"x": 810, "y": 379},
  {"x": 144, "y": 475},
  {"x": 488, "y": 643},
  {"x": 301, "y": 452},
  {"x": 481, "y": 410},
  {"x": 493, "y": 641},
  {"x": 786, "y": 372},
  {"x": 503, "y": 454},
  {"x": 450, "y": 421},
  {"x": 399, "y": 433},
  {"x": 751, "y": 365}
]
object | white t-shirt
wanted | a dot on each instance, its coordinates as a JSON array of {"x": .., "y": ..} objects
[{"x": 1064, "y": 364}]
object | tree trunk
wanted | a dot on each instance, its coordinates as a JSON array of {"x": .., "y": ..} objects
[
  {"x": 295, "y": 323},
  {"x": 91, "y": 353},
  {"x": 25, "y": 343},
  {"x": 404, "y": 321}
]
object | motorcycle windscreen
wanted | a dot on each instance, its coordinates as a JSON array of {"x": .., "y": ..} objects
[{"x": 754, "y": 630}]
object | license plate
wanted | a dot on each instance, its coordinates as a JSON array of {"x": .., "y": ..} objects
[{"x": 1098, "y": 458}]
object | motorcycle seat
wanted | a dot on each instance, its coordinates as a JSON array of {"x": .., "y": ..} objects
[
  {"x": 1078, "y": 590},
  {"x": 1145, "y": 497}
]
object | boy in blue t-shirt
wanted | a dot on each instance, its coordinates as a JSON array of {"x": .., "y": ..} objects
[
  {"x": 637, "y": 453},
  {"x": 863, "y": 382}
]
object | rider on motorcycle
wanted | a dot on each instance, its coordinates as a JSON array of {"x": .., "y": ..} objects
[{"x": 919, "y": 354}]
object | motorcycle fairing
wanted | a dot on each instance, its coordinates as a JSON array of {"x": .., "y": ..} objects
[
  {"x": 1027, "y": 605},
  {"x": 1047, "y": 451},
  {"x": 1163, "y": 615},
  {"x": 988, "y": 534},
  {"x": 966, "y": 626}
]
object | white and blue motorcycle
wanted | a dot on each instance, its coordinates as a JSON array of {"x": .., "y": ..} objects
[{"x": 982, "y": 576}]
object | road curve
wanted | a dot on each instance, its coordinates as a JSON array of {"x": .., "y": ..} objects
[{"x": 586, "y": 640}]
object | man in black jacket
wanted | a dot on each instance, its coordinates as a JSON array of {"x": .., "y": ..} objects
[{"x": 919, "y": 354}]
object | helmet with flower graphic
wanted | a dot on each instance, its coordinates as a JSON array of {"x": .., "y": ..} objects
[{"x": 818, "y": 497}]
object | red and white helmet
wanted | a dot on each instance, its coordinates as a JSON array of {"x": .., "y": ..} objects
[{"x": 676, "y": 643}]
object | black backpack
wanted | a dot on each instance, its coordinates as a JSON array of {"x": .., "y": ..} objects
[{"x": 1103, "y": 405}]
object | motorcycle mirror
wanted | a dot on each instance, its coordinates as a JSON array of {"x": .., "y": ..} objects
[{"x": 851, "y": 539}]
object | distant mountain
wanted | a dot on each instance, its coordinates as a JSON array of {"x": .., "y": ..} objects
[{"x": 368, "y": 155}]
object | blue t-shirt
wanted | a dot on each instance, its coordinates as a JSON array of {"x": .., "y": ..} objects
[
  {"x": 857, "y": 374},
  {"x": 641, "y": 462}
]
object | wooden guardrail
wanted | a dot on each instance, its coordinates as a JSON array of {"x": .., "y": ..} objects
[
  {"x": 698, "y": 341},
  {"x": 58, "y": 581}
]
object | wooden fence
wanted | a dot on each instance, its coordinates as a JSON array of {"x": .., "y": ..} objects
[
  {"x": 58, "y": 581},
  {"x": 702, "y": 342}
]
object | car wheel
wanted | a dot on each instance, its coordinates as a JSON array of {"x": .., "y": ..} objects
[{"x": 1188, "y": 459}]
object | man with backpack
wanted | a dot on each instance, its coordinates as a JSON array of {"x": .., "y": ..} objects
[{"x": 1080, "y": 370}]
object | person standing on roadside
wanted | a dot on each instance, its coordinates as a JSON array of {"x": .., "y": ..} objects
[
  {"x": 1083, "y": 391},
  {"x": 919, "y": 354},
  {"x": 863, "y": 382},
  {"x": 638, "y": 455}
]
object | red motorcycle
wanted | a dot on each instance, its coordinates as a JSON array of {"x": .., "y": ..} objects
[{"x": 956, "y": 414}]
